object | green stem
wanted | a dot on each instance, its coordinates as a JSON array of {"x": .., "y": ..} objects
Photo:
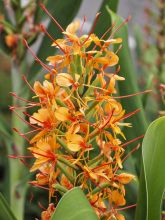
[
  {"x": 91, "y": 107},
  {"x": 60, "y": 103},
  {"x": 96, "y": 160},
  {"x": 17, "y": 170},
  {"x": 65, "y": 172},
  {"x": 60, "y": 188},
  {"x": 66, "y": 162},
  {"x": 63, "y": 144},
  {"x": 98, "y": 189}
]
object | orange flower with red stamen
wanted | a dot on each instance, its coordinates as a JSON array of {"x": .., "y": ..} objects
[{"x": 78, "y": 124}]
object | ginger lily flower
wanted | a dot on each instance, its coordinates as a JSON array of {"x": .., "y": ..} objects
[{"x": 78, "y": 125}]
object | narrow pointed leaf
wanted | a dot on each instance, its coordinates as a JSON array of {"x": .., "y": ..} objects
[
  {"x": 153, "y": 150},
  {"x": 129, "y": 86},
  {"x": 4, "y": 127},
  {"x": 74, "y": 206},
  {"x": 5, "y": 211},
  {"x": 104, "y": 21},
  {"x": 141, "y": 209}
]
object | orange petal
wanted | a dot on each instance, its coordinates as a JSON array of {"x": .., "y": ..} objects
[
  {"x": 74, "y": 142},
  {"x": 62, "y": 114},
  {"x": 117, "y": 198},
  {"x": 125, "y": 178},
  {"x": 120, "y": 217},
  {"x": 55, "y": 59},
  {"x": 73, "y": 27},
  {"x": 64, "y": 79}
]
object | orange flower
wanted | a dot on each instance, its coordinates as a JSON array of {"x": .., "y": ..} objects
[
  {"x": 74, "y": 141},
  {"x": 116, "y": 198},
  {"x": 45, "y": 152},
  {"x": 44, "y": 118},
  {"x": 47, "y": 90},
  {"x": 125, "y": 178}
]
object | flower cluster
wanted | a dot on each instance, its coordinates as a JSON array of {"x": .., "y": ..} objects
[{"x": 78, "y": 123}]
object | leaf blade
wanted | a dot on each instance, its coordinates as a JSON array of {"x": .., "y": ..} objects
[
  {"x": 5, "y": 212},
  {"x": 104, "y": 22},
  {"x": 74, "y": 205},
  {"x": 129, "y": 86},
  {"x": 153, "y": 159}
]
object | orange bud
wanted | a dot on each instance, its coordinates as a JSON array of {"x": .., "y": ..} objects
[{"x": 11, "y": 40}]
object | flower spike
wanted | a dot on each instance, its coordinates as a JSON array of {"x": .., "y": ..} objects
[{"x": 77, "y": 115}]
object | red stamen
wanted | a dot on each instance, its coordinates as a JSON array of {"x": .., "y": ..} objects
[
  {"x": 13, "y": 109},
  {"x": 49, "y": 155},
  {"x": 122, "y": 24},
  {"x": 54, "y": 41},
  {"x": 25, "y": 113},
  {"x": 25, "y": 163},
  {"x": 129, "y": 114},
  {"x": 93, "y": 27},
  {"x": 19, "y": 157},
  {"x": 102, "y": 165},
  {"x": 131, "y": 141},
  {"x": 81, "y": 29},
  {"x": 117, "y": 70},
  {"x": 42, "y": 155},
  {"x": 36, "y": 184},
  {"x": 36, "y": 58},
  {"x": 131, "y": 95},
  {"x": 41, "y": 206},
  {"x": 25, "y": 79},
  {"x": 108, "y": 30},
  {"x": 28, "y": 106},
  {"x": 119, "y": 48},
  {"x": 127, "y": 207},
  {"x": 108, "y": 120},
  {"x": 29, "y": 132},
  {"x": 21, "y": 134},
  {"x": 20, "y": 98},
  {"x": 48, "y": 13},
  {"x": 133, "y": 150}
]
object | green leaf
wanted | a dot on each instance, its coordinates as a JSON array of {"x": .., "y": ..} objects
[
  {"x": 63, "y": 12},
  {"x": 153, "y": 150},
  {"x": 4, "y": 127},
  {"x": 5, "y": 211},
  {"x": 104, "y": 21},
  {"x": 129, "y": 86},
  {"x": 142, "y": 197},
  {"x": 74, "y": 206}
]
